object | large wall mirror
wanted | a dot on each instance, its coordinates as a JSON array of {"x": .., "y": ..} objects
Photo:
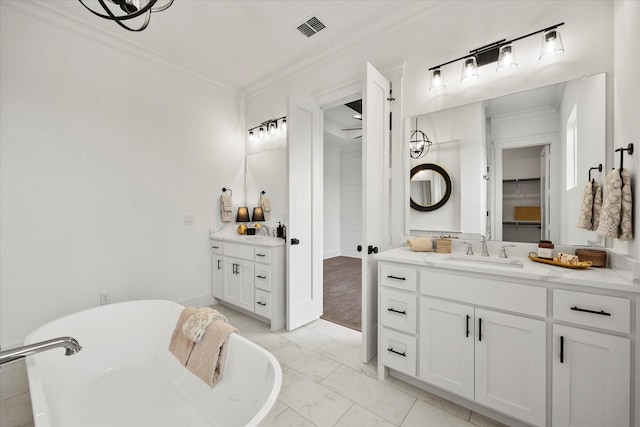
[
  {"x": 267, "y": 171},
  {"x": 524, "y": 160},
  {"x": 430, "y": 187}
]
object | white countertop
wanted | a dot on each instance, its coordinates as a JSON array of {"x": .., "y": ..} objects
[
  {"x": 253, "y": 240},
  {"x": 603, "y": 278}
]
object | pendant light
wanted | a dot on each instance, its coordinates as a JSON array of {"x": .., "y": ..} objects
[
  {"x": 506, "y": 58},
  {"x": 131, "y": 9},
  {"x": 469, "y": 69},
  {"x": 437, "y": 81},
  {"x": 419, "y": 143},
  {"x": 551, "y": 43}
]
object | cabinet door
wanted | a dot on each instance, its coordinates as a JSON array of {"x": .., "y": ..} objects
[
  {"x": 230, "y": 287},
  {"x": 216, "y": 276},
  {"x": 510, "y": 365},
  {"x": 446, "y": 345},
  {"x": 245, "y": 283},
  {"x": 591, "y": 374}
]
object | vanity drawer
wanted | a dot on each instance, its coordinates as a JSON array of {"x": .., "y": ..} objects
[
  {"x": 236, "y": 250},
  {"x": 509, "y": 296},
  {"x": 263, "y": 277},
  {"x": 398, "y": 310},
  {"x": 598, "y": 311},
  {"x": 399, "y": 277},
  {"x": 216, "y": 247},
  {"x": 263, "y": 304},
  {"x": 262, "y": 255},
  {"x": 398, "y": 351}
]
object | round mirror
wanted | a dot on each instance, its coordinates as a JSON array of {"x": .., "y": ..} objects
[{"x": 430, "y": 187}]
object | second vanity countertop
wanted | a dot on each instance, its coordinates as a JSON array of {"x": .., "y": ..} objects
[{"x": 523, "y": 268}]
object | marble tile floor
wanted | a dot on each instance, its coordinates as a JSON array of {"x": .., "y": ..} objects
[{"x": 324, "y": 384}]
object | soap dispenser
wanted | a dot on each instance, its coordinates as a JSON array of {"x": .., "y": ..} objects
[{"x": 281, "y": 231}]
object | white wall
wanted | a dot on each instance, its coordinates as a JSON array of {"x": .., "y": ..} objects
[
  {"x": 331, "y": 189},
  {"x": 103, "y": 151},
  {"x": 350, "y": 199},
  {"x": 626, "y": 102}
]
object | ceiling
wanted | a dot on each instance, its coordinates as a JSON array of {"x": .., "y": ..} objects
[{"x": 241, "y": 43}]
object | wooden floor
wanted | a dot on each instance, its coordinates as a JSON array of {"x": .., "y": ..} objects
[{"x": 343, "y": 291}]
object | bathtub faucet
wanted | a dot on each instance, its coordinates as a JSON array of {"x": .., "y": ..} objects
[{"x": 70, "y": 344}]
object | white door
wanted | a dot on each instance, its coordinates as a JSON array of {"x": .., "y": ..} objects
[
  {"x": 591, "y": 374},
  {"x": 511, "y": 365},
  {"x": 304, "y": 231},
  {"x": 447, "y": 333},
  {"x": 375, "y": 171}
]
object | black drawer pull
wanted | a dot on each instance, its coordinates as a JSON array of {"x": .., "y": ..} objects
[
  {"x": 261, "y": 303},
  {"x": 396, "y": 352},
  {"x": 468, "y": 317},
  {"x": 397, "y": 278},
  {"x": 261, "y": 255},
  {"x": 396, "y": 311},
  {"x": 480, "y": 329},
  {"x": 215, "y": 247},
  {"x": 261, "y": 277},
  {"x": 219, "y": 267},
  {"x": 561, "y": 349},
  {"x": 584, "y": 310}
]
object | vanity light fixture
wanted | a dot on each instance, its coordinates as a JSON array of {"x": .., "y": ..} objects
[
  {"x": 258, "y": 214},
  {"x": 269, "y": 127},
  {"x": 502, "y": 52},
  {"x": 243, "y": 214},
  {"x": 437, "y": 81},
  {"x": 132, "y": 9},
  {"x": 419, "y": 143}
]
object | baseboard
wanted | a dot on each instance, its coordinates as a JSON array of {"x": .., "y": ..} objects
[{"x": 201, "y": 301}]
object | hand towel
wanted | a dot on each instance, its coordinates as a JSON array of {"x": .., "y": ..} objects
[
  {"x": 195, "y": 327},
  {"x": 226, "y": 209},
  {"x": 610, "y": 215},
  {"x": 180, "y": 346},
  {"x": 589, "y": 217},
  {"x": 420, "y": 244},
  {"x": 208, "y": 356},
  {"x": 626, "y": 222},
  {"x": 265, "y": 204}
]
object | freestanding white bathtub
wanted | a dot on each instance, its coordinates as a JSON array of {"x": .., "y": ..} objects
[{"x": 125, "y": 376}]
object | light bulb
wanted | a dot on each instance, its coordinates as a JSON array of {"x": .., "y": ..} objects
[
  {"x": 506, "y": 58},
  {"x": 437, "y": 82},
  {"x": 551, "y": 43},
  {"x": 469, "y": 69}
]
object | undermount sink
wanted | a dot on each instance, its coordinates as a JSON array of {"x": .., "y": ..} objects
[{"x": 489, "y": 261}]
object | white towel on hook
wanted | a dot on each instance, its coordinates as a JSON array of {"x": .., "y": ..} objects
[
  {"x": 265, "y": 204},
  {"x": 226, "y": 209}
]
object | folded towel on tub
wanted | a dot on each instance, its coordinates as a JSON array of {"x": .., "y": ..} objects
[
  {"x": 195, "y": 327},
  {"x": 208, "y": 356},
  {"x": 181, "y": 346}
]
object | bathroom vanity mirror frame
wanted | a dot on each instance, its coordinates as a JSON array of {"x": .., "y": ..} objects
[
  {"x": 479, "y": 214},
  {"x": 416, "y": 170}
]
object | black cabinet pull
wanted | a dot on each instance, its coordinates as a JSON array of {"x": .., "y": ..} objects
[
  {"x": 395, "y": 277},
  {"x": 561, "y": 349},
  {"x": 396, "y": 311},
  {"x": 584, "y": 310},
  {"x": 468, "y": 317},
  {"x": 260, "y": 255},
  {"x": 261, "y": 277},
  {"x": 480, "y": 329},
  {"x": 219, "y": 267},
  {"x": 262, "y": 303},
  {"x": 215, "y": 247},
  {"x": 396, "y": 352}
]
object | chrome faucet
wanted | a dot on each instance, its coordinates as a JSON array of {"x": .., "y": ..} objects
[
  {"x": 266, "y": 230},
  {"x": 503, "y": 251},
  {"x": 70, "y": 344},
  {"x": 485, "y": 250},
  {"x": 469, "y": 248}
]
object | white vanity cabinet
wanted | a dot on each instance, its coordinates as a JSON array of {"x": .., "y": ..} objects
[
  {"x": 250, "y": 274},
  {"x": 591, "y": 370},
  {"x": 493, "y": 358}
]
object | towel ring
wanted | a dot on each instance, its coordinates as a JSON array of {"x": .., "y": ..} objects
[
  {"x": 599, "y": 167},
  {"x": 224, "y": 190}
]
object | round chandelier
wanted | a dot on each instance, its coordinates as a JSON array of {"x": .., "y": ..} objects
[
  {"x": 419, "y": 143},
  {"x": 132, "y": 9}
]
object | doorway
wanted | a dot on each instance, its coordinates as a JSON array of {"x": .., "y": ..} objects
[{"x": 342, "y": 196}]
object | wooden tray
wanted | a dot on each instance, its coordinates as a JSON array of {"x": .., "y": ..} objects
[{"x": 581, "y": 264}]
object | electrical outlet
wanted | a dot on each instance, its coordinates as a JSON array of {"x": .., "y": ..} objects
[
  {"x": 105, "y": 298},
  {"x": 188, "y": 220}
]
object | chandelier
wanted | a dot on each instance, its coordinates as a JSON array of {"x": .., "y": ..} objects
[{"x": 129, "y": 9}]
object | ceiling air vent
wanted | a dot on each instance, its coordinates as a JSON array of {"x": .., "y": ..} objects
[{"x": 311, "y": 26}]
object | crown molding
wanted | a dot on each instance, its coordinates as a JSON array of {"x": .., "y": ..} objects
[{"x": 46, "y": 11}]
